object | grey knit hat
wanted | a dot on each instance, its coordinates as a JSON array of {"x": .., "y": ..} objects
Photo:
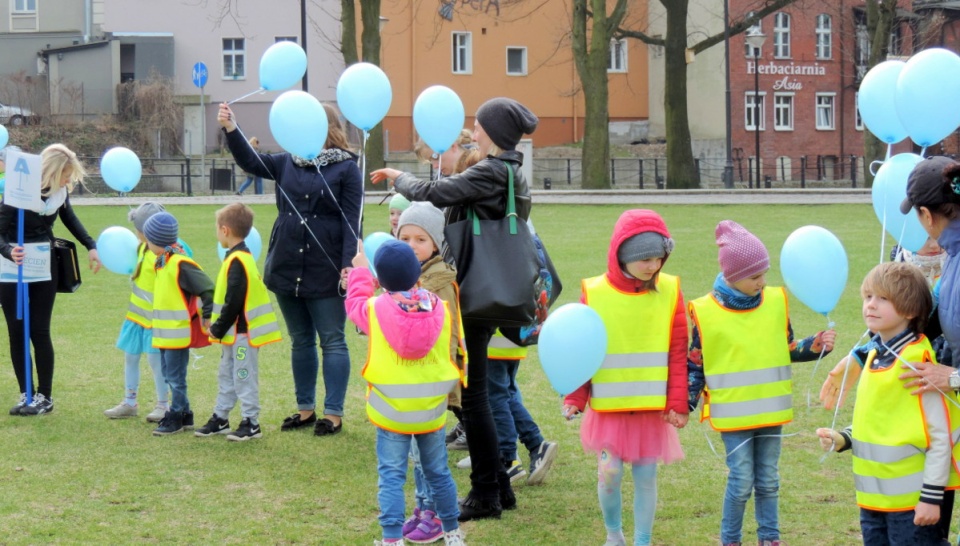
[
  {"x": 505, "y": 121},
  {"x": 161, "y": 229},
  {"x": 644, "y": 246},
  {"x": 425, "y": 216},
  {"x": 140, "y": 214}
]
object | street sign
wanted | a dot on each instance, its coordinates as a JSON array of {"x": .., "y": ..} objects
[{"x": 200, "y": 75}]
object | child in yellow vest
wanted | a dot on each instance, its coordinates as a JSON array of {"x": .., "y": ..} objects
[
  {"x": 136, "y": 334},
  {"x": 741, "y": 349},
  {"x": 243, "y": 321},
  {"x": 902, "y": 451},
  {"x": 409, "y": 373},
  {"x": 180, "y": 281},
  {"x": 637, "y": 399}
]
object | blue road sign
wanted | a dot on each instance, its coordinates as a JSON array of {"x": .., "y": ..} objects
[{"x": 200, "y": 75}]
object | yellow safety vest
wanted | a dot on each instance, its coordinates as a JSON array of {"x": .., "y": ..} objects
[
  {"x": 633, "y": 375},
  {"x": 262, "y": 324},
  {"x": 890, "y": 436},
  {"x": 140, "y": 308},
  {"x": 501, "y": 348},
  {"x": 171, "y": 320},
  {"x": 409, "y": 396},
  {"x": 746, "y": 361}
]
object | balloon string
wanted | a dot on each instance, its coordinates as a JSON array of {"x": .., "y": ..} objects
[
  {"x": 823, "y": 351},
  {"x": 250, "y": 94},
  {"x": 889, "y": 153},
  {"x": 883, "y": 231},
  {"x": 843, "y": 381},
  {"x": 363, "y": 175},
  {"x": 342, "y": 214},
  {"x": 923, "y": 152}
]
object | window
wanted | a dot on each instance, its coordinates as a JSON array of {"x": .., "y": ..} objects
[
  {"x": 462, "y": 53},
  {"x": 293, "y": 39},
  {"x": 862, "y": 53},
  {"x": 516, "y": 61},
  {"x": 25, "y": 6},
  {"x": 783, "y": 111},
  {"x": 825, "y": 111},
  {"x": 824, "y": 36},
  {"x": 781, "y": 35},
  {"x": 857, "y": 119},
  {"x": 233, "y": 57},
  {"x": 752, "y": 51},
  {"x": 750, "y": 111},
  {"x": 618, "y": 56}
]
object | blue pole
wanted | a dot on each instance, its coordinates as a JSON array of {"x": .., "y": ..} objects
[{"x": 23, "y": 312}]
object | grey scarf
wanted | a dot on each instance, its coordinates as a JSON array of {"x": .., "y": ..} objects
[{"x": 326, "y": 157}]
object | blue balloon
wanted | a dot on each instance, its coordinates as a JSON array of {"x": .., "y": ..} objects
[
  {"x": 371, "y": 244},
  {"x": 438, "y": 116},
  {"x": 814, "y": 267},
  {"x": 254, "y": 244},
  {"x": 572, "y": 346},
  {"x": 121, "y": 169},
  {"x": 889, "y": 190},
  {"x": 117, "y": 247},
  {"x": 877, "y": 103},
  {"x": 926, "y": 95},
  {"x": 282, "y": 66},
  {"x": 4, "y": 136},
  {"x": 364, "y": 95},
  {"x": 299, "y": 124}
]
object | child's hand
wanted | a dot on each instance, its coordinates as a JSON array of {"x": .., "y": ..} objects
[
  {"x": 360, "y": 260},
  {"x": 831, "y": 440},
  {"x": 926, "y": 514},
  {"x": 678, "y": 420},
  {"x": 570, "y": 411},
  {"x": 834, "y": 389},
  {"x": 827, "y": 338},
  {"x": 206, "y": 325}
]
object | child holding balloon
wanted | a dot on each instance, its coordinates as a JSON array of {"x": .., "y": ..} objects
[
  {"x": 136, "y": 334},
  {"x": 637, "y": 399},
  {"x": 740, "y": 354}
]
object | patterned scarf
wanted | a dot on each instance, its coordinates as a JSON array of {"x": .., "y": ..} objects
[
  {"x": 731, "y": 298},
  {"x": 326, "y": 157}
]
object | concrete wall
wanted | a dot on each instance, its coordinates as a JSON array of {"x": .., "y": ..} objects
[{"x": 94, "y": 69}]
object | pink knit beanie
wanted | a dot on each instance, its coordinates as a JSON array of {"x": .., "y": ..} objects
[{"x": 742, "y": 255}]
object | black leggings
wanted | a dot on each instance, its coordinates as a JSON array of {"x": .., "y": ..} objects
[{"x": 42, "y": 297}]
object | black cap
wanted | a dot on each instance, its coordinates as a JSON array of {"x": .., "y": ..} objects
[
  {"x": 505, "y": 121},
  {"x": 926, "y": 186}
]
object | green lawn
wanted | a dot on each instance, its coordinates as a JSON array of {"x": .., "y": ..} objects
[{"x": 77, "y": 477}]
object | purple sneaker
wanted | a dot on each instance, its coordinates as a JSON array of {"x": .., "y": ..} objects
[
  {"x": 412, "y": 522},
  {"x": 428, "y": 531}
]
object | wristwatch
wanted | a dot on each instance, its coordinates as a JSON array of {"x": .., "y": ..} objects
[{"x": 955, "y": 380}]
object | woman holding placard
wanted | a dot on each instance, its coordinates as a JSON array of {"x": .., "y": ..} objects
[{"x": 60, "y": 171}]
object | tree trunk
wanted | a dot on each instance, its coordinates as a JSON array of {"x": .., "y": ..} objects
[
  {"x": 591, "y": 60},
  {"x": 348, "y": 32},
  {"x": 880, "y": 18},
  {"x": 681, "y": 168},
  {"x": 370, "y": 37}
]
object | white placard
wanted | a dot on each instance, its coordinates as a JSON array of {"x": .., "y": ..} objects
[
  {"x": 36, "y": 264},
  {"x": 22, "y": 187}
]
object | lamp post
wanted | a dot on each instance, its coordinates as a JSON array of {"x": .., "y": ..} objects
[
  {"x": 755, "y": 38},
  {"x": 728, "y": 167}
]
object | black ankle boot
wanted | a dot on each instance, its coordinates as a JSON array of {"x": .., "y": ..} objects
[{"x": 472, "y": 508}]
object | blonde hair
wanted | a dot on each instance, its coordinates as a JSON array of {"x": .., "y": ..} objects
[
  {"x": 56, "y": 162},
  {"x": 336, "y": 138},
  {"x": 905, "y": 287},
  {"x": 469, "y": 156}
]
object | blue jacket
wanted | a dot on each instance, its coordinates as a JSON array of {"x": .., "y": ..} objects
[
  {"x": 294, "y": 265},
  {"x": 949, "y": 301}
]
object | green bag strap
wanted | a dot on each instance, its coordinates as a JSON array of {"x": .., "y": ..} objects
[{"x": 511, "y": 205}]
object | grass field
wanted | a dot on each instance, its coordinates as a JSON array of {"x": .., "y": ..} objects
[{"x": 77, "y": 477}]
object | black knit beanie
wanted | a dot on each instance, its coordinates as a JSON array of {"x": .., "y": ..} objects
[{"x": 505, "y": 121}]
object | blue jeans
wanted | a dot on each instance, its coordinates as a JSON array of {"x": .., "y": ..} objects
[
  {"x": 512, "y": 418},
  {"x": 251, "y": 179},
  {"x": 896, "y": 529},
  {"x": 173, "y": 363},
  {"x": 306, "y": 319},
  {"x": 752, "y": 457},
  {"x": 392, "y": 452}
]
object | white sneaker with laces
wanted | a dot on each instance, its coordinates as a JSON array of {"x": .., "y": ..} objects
[
  {"x": 121, "y": 411},
  {"x": 157, "y": 414}
]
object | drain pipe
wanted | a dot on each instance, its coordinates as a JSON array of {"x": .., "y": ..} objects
[{"x": 87, "y": 20}]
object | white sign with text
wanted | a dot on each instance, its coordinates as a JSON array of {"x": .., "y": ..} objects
[
  {"x": 22, "y": 187},
  {"x": 36, "y": 264}
]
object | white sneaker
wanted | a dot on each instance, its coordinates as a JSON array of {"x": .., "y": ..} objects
[
  {"x": 454, "y": 538},
  {"x": 157, "y": 414},
  {"x": 382, "y": 543},
  {"x": 464, "y": 464},
  {"x": 121, "y": 411}
]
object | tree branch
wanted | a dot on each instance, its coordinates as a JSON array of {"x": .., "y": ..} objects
[
  {"x": 741, "y": 25},
  {"x": 637, "y": 35}
]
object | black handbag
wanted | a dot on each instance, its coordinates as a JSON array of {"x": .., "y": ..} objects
[
  {"x": 68, "y": 266},
  {"x": 548, "y": 288},
  {"x": 497, "y": 267}
]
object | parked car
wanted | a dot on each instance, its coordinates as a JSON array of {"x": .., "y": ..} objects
[{"x": 15, "y": 115}]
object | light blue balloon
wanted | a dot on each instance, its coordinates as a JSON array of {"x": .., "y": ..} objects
[
  {"x": 926, "y": 96},
  {"x": 364, "y": 95},
  {"x": 117, "y": 247},
  {"x": 120, "y": 168},
  {"x": 253, "y": 241},
  {"x": 371, "y": 244},
  {"x": 572, "y": 346},
  {"x": 186, "y": 248},
  {"x": 877, "y": 103},
  {"x": 282, "y": 66},
  {"x": 814, "y": 267},
  {"x": 438, "y": 116},
  {"x": 4, "y": 136},
  {"x": 889, "y": 190},
  {"x": 299, "y": 124}
]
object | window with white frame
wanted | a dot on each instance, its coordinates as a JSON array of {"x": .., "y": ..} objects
[
  {"x": 783, "y": 111},
  {"x": 618, "y": 56},
  {"x": 857, "y": 118},
  {"x": 25, "y": 6},
  {"x": 516, "y": 61},
  {"x": 234, "y": 57},
  {"x": 824, "y": 36},
  {"x": 293, "y": 39},
  {"x": 462, "y": 53},
  {"x": 781, "y": 35},
  {"x": 826, "y": 111},
  {"x": 751, "y": 104},
  {"x": 752, "y": 51}
]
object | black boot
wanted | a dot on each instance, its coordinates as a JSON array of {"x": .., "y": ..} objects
[
  {"x": 171, "y": 423},
  {"x": 472, "y": 508}
]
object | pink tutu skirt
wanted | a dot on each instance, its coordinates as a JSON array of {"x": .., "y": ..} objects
[{"x": 639, "y": 437}]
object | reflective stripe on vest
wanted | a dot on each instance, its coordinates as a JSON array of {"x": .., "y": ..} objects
[
  {"x": 501, "y": 348},
  {"x": 409, "y": 396},
  {"x": 171, "y": 320},
  {"x": 746, "y": 362},
  {"x": 633, "y": 375},
  {"x": 262, "y": 326},
  {"x": 140, "y": 308},
  {"x": 889, "y": 436}
]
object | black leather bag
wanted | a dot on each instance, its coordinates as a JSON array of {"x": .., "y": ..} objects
[
  {"x": 68, "y": 265},
  {"x": 548, "y": 288},
  {"x": 497, "y": 267}
]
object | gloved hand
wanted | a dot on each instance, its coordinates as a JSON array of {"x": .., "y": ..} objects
[{"x": 831, "y": 440}]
